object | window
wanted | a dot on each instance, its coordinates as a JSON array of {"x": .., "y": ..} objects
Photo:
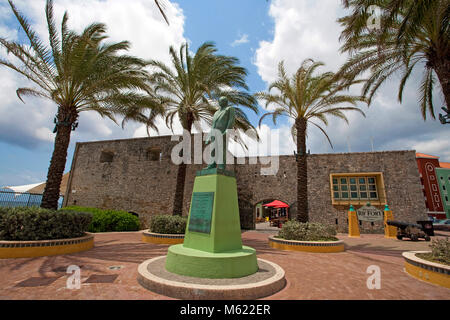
[
  {"x": 107, "y": 157},
  {"x": 357, "y": 188},
  {"x": 153, "y": 154}
]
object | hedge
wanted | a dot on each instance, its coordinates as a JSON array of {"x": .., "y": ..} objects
[
  {"x": 167, "y": 224},
  {"x": 109, "y": 220},
  {"x": 32, "y": 224},
  {"x": 294, "y": 230}
]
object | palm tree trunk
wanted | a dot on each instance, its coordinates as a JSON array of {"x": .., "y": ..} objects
[
  {"x": 57, "y": 164},
  {"x": 181, "y": 179},
  {"x": 442, "y": 68},
  {"x": 179, "y": 190},
  {"x": 302, "y": 172}
]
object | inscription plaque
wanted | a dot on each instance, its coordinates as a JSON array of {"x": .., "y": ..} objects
[
  {"x": 201, "y": 212},
  {"x": 369, "y": 213}
]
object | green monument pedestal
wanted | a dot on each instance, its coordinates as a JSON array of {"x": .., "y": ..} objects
[{"x": 212, "y": 245}]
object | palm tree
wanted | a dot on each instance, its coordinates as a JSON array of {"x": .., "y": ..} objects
[
  {"x": 78, "y": 72},
  {"x": 161, "y": 8},
  {"x": 413, "y": 34},
  {"x": 306, "y": 97},
  {"x": 188, "y": 88}
]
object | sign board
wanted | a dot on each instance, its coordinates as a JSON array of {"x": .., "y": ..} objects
[
  {"x": 201, "y": 212},
  {"x": 369, "y": 213}
]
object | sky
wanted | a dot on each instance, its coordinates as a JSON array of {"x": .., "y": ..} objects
[{"x": 259, "y": 33}]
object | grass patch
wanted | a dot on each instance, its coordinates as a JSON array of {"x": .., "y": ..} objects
[
  {"x": 440, "y": 252},
  {"x": 430, "y": 257}
]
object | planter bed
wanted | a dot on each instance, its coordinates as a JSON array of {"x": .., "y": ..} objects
[
  {"x": 307, "y": 246},
  {"x": 425, "y": 270},
  {"x": 159, "y": 238},
  {"x": 40, "y": 248}
]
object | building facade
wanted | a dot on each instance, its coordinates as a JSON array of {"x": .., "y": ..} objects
[
  {"x": 443, "y": 177},
  {"x": 427, "y": 165},
  {"x": 138, "y": 175}
]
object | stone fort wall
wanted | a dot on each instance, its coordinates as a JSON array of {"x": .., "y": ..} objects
[{"x": 138, "y": 175}]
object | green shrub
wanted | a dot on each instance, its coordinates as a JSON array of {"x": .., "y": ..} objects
[
  {"x": 440, "y": 250},
  {"x": 294, "y": 230},
  {"x": 167, "y": 224},
  {"x": 109, "y": 220},
  {"x": 30, "y": 224}
]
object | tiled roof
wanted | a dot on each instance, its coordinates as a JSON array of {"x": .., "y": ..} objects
[
  {"x": 444, "y": 165},
  {"x": 423, "y": 155}
]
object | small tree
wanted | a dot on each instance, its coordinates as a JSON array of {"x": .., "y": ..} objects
[
  {"x": 306, "y": 97},
  {"x": 78, "y": 72},
  {"x": 187, "y": 88}
]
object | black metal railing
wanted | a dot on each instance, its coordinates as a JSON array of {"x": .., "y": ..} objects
[{"x": 13, "y": 199}]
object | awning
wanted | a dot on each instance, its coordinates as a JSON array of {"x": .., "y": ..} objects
[
  {"x": 24, "y": 188},
  {"x": 276, "y": 204},
  {"x": 38, "y": 188}
]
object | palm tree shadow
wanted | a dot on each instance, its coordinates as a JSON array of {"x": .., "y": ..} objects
[
  {"x": 262, "y": 247},
  {"x": 376, "y": 250},
  {"x": 111, "y": 251}
]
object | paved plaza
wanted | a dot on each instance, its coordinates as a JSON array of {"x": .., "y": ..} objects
[{"x": 109, "y": 270}]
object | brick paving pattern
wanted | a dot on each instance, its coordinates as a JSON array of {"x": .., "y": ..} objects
[{"x": 109, "y": 271}]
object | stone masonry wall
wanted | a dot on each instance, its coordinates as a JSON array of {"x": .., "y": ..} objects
[{"x": 136, "y": 181}]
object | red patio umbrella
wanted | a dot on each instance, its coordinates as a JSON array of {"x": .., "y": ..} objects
[{"x": 276, "y": 204}]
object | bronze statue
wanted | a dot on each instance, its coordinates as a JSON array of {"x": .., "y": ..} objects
[{"x": 223, "y": 120}]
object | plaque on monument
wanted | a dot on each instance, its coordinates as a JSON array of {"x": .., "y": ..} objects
[
  {"x": 201, "y": 212},
  {"x": 369, "y": 213}
]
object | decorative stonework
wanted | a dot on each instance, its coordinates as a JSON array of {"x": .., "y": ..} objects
[
  {"x": 307, "y": 246},
  {"x": 267, "y": 281},
  {"x": 28, "y": 249},
  {"x": 160, "y": 238},
  {"x": 425, "y": 270}
]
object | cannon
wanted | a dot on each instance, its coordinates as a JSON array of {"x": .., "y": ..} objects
[{"x": 409, "y": 230}]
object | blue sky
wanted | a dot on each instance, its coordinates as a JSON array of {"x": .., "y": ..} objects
[
  {"x": 258, "y": 32},
  {"x": 226, "y": 24}
]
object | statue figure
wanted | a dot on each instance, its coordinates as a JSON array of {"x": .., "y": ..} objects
[{"x": 223, "y": 120}]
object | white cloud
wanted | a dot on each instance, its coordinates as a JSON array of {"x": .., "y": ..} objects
[
  {"x": 243, "y": 39},
  {"x": 272, "y": 142},
  {"x": 439, "y": 146},
  {"x": 308, "y": 29},
  {"x": 303, "y": 29},
  {"x": 44, "y": 134},
  {"x": 138, "y": 21},
  {"x": 164, "y": 130}
]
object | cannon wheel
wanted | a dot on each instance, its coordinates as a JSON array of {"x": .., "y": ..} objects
[
  {"x": 427, "y": 238},
  {"x": 399, "y": 237},
  {"x": 414, "y": 237}
]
